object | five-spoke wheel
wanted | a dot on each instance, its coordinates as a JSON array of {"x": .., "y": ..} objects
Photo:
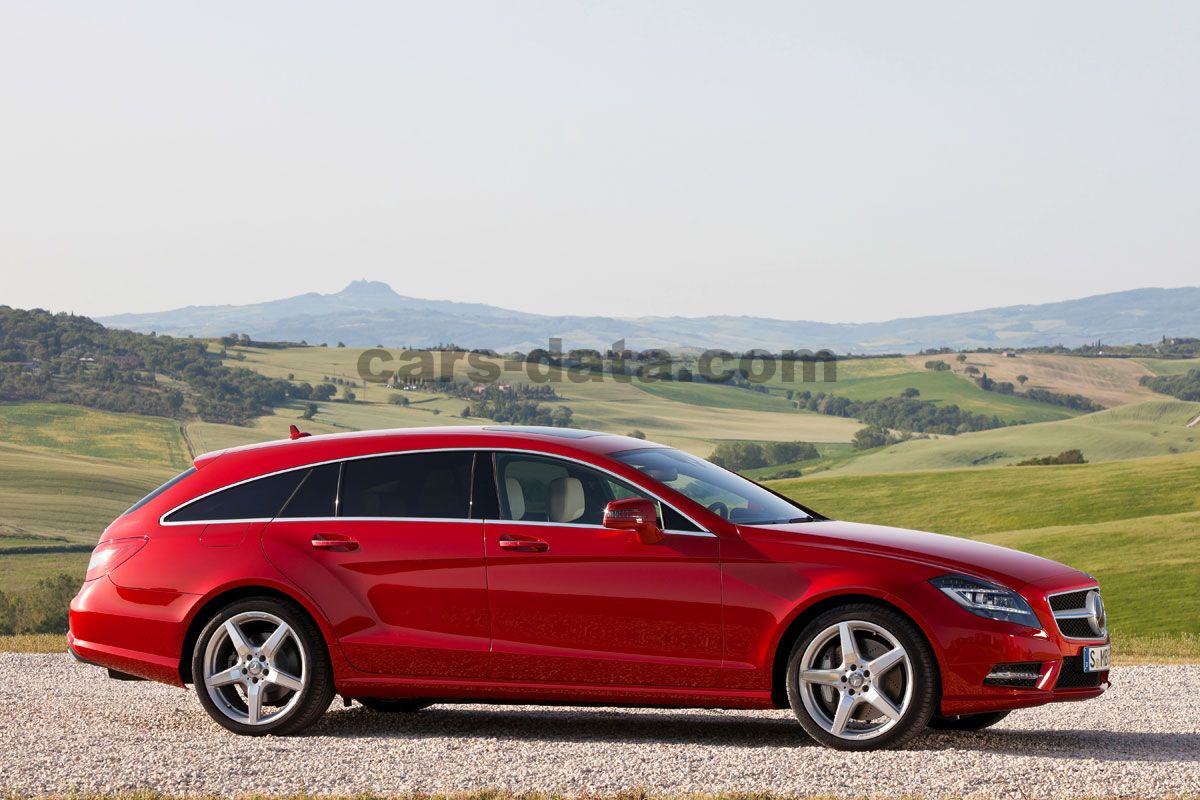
[
  {"x": 861, "y": 677},
  {"x": 260, "y": 666}
]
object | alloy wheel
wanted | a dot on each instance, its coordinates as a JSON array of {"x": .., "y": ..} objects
[
  {"x": 256, "y": 668},
  {"x": 855, "y": 680}
]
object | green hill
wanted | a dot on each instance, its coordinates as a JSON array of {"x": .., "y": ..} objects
[{"x": 1157, "y": 427}]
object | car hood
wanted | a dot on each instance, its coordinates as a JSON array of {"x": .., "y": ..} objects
[{"x": 952, "y": 553}]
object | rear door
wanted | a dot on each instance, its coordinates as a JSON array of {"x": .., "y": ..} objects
[{"x": 387, "y": 548}]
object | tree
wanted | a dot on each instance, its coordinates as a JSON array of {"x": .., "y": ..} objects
[
  {"x": 636, "y": 434},
  {"x": 324, "y": 391},
  {"x": 937, "y": 366},
  {"x": 972, "y": 370},
  {"x": 869, "y": 437},
  {"x": 911, "y": 392},
  {"x": 398, "y": 400},
  {"x": 961, "y": 357},
  {"x": 1021, "y": 379},
  {"x": 348, "y": 395},
  {"x": 341, "y": 344},
  {"x": 310, "y": 411}
]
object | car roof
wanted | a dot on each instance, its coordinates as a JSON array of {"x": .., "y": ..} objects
[{"x": 285, "y": 453}]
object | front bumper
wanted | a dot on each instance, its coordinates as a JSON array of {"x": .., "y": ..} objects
[{"x": 970, "y": 647}]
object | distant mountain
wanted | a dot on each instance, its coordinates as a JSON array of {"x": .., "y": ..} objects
[{"x": 368, "y": 313}]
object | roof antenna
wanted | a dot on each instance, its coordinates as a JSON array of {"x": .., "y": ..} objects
[{"x": 296, "y": 433}]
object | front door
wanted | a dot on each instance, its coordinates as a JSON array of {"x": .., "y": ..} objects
[
  {"x": 574, "y": 602},
  {"x": 397, "y": 566}
]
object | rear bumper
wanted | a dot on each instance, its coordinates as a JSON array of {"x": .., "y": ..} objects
[{"x": 136, "y": 632}]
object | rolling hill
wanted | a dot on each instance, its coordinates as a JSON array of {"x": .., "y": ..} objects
[{"x": 369, "y": 313}]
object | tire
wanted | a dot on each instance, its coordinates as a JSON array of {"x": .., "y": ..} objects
[
  {"x": 841, "y": 703},
  {"x": 967, "y": 722},
  {"x": 389, "y": 706},
  {"x": 278, "y": 658}
]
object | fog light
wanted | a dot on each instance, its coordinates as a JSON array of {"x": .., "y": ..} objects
[{"x": 1020, "y": 675}]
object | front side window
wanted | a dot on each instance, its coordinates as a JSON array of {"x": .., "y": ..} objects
[
  {"x": 722, "y": 492},
  {"x": 539, "y": 489},
  {"x": 423, "y": 485},
  {"x": 259, "y": 499}
]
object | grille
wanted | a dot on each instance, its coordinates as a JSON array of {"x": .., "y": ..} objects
[
  {"x": 1018, "y": 675},
  {"x": 1076, "y": 628},
  {"x": 1073, "y": 676},
  {"x": 1071, "y": 614},
  {"x": 1068, "y": 601}
]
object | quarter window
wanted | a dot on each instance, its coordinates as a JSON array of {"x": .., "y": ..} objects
[
  {"x": 256, "y": 499},
  {"x": 429, "y": 485}
]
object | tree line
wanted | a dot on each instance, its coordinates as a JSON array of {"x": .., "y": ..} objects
[
  {"x": 1185, "y": 387},
  {"x": 64, "y": 358}
]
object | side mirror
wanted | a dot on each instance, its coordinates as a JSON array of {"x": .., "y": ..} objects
[{"x": 634, "y": 514}]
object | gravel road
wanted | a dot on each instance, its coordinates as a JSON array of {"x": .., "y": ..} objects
[{"x": 67, "y": 728}]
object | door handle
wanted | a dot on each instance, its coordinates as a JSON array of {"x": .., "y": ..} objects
[
  {"x": 526, "y": 544},
  {"x": 334, "y": 541}
]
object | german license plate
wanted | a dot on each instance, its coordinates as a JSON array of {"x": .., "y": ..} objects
[{"x": 1096, "y": 659}]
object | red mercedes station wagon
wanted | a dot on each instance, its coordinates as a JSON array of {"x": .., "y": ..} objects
[{"x": 542, "y": 565}]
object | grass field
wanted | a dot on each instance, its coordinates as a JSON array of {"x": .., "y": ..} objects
[
  {"x": 53, "y": 499},
  {"x": 1134, "y": 524},
  {"x": 126, "y": 438},
  {"x": 1111, "y": 382},
  {"x": 1169, "y": 366}
]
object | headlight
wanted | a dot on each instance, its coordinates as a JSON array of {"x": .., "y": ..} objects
[{"x": 987, "y": 599}]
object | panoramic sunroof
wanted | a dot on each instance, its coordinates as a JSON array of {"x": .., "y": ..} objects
[{"x": 544, "y": 430}]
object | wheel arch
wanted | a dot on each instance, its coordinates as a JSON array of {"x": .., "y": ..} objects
[
  {"x": 806, "y": 613},
  {"x": 231, "y": 594}
]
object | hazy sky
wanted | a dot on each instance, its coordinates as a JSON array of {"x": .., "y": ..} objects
[{"x": 829, "y": 161}]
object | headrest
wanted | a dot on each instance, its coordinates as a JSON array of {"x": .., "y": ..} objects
[
  {"x": 516, "y": 498},
  {"x": 566, "y": 500}
]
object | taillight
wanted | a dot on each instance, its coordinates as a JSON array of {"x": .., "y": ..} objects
[{"x": 111, "y": 554}]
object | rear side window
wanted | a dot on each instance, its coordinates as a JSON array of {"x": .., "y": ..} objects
[
  {"x": 317, "y": 495},
  {"x": 431, "y": 485},
  {"x": 257, "y": 499},
  {"x": 159, "y": 490}
]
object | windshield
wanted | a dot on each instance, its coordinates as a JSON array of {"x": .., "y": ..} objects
[{"x": 722, "y": 492}]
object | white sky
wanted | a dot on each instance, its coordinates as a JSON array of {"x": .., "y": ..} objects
[{"x": 829, "y": 161}]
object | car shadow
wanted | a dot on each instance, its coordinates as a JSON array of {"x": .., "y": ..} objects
[
  {"x": 551, "y": 724},
  {"x": 1092, "y": 745},
  {"x": 732, "y": 729}
]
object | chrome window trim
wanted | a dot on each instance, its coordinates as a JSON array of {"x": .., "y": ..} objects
[
  {"x": 162, "y": 520},
  {"x": 1074, "y": 613}
]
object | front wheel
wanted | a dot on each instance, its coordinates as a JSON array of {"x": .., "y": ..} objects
[
  {"x": 260, "y": 666},
  {"x": 862, "y": 677},
  {"x": 967, "y": 722}
]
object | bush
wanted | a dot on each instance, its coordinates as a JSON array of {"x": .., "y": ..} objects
[
  {"x": 1065, "y": 457},
  {"x": 43, "y": 610}
]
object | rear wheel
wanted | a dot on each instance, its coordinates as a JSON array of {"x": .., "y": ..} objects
[
  {"x": 967, "y": 722},
  {"x": 260, "y": 666},
  {"x": 862, "y": 677},
  {"x": 389, "y": 706}
]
